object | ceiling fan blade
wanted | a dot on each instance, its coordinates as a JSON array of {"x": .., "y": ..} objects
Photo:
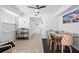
[
  {"x": 32, "y": 7},
  {"x": 42, "y": 7}
]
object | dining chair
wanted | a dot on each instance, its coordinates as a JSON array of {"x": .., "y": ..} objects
[
  {"x": 66, "y": 41},
  {"x": 57, "y": 41},
  {"x": 50, "y": 40}
]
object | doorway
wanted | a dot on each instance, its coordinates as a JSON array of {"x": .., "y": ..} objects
[{"x": 35, "y": 25}]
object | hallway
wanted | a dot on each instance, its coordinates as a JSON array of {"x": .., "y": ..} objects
[{"x": 32, "y": 45}]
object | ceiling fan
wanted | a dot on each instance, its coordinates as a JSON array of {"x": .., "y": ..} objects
[{"x": 37, "y": 7}]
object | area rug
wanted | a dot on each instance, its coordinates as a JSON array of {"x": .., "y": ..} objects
[{"x": 47, "y": 50}]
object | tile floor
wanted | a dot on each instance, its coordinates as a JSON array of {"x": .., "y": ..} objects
[{"x": 32, "y": 45}]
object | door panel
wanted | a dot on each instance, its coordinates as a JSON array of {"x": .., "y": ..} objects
[{"x": 35, "y": 24}]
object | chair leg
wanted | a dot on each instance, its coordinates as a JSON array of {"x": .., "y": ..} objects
[
  {"x": 50, "y": 45},
  {"x": 55, "y": 46},
  {"x": 70, "y": 49},
  {"x": 62, "y": 49}
]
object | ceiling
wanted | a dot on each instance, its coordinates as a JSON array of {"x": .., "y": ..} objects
[
  {"x": 22, "y": 10},
  {"x": 47, "y": 9}
]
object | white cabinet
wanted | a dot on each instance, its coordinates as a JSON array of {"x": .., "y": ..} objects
[
  {"x": 8, "y": 26},
  {"x": 9, "y": 32}
]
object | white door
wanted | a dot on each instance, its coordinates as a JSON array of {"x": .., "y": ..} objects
[{"x": 35, "y": 24}]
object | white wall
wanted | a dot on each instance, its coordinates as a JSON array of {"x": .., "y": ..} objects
[{"x": 48, "y": 22}]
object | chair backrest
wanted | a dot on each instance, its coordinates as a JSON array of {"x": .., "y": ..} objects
[
  {"x": 67, "y": 39},
  {"x": 51, "y": 35}
]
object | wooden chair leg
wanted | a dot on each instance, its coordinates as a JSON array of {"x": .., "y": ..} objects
[
  {"x": 50, "y": 45},
  {"x": 62, "y": 49},
  {"x": 55, "y": 46},
  {"x": 70, "y": 49}
]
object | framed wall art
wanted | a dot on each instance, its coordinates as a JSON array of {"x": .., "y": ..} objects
[{"x": 72, "y": 17}]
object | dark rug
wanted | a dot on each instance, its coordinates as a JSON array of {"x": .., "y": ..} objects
[{"x": 47, "y": 49}]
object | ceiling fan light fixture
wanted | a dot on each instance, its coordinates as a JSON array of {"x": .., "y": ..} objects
[{"x": 36, "y": 10}]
